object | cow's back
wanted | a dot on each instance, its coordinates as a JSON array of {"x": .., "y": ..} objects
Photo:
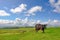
[{"x": 38, "y": 26}]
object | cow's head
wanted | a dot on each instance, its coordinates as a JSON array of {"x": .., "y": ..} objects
[{"x": 45, "y": 25}]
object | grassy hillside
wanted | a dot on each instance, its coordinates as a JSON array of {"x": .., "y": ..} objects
[{"x": 29, "y": 34}]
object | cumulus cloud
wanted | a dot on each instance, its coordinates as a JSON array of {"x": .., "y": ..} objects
[
  {"x": 19, "y": 9},
  {"x": 33, "y": 10},
  {"x": 21, "y": 21},
  {"x": 55, "y": 23},
  {"x": 27, "y": 22},
  {"x": 24, "y": 22},
  {"x": 56, "y": 5},
  {"x": 38, "y": 22},
  {"x": 4, "y": 13},
  {"x": 6, "y": 21},
  {"x": 18, "y": 22}
]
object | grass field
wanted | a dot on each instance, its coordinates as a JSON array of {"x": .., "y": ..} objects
[{"x": 29, "y": 34}]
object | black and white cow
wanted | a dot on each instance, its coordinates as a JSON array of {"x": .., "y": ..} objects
[{"x": 40, "y": 27}]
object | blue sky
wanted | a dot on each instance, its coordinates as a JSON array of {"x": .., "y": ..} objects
[{"x": 43, "y": 10}]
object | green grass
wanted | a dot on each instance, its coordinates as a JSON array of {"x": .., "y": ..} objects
[{"x": 29, "y": 34}]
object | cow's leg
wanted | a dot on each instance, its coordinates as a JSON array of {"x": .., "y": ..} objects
[
  {"x": 36, "y": 30},
  {"x": 43, "y": 30}
]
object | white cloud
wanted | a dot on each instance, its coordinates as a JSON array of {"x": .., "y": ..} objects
[
  {"x": 6, "y": 21},
  {"x": 21, "y": 21},
  {"x": 27, "y": 22},
  {"x": 38, "y": 21},
  {"x": 56, "y": 5},
  {"x": 4, "y": 13},
  {"x": 31, "y": 23},
  {"x": 53, "y": 22},
  {"x": 52, "y": 1},
  {"x": 33, "y": 10},
  {"x": 19, "y": 9},
  {"x": 17, "y": 22}
]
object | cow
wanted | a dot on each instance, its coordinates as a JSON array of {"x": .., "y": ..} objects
[{"x": 40, "y": 27}]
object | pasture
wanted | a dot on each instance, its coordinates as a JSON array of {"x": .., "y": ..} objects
[{"x": 30, "y": 34}]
